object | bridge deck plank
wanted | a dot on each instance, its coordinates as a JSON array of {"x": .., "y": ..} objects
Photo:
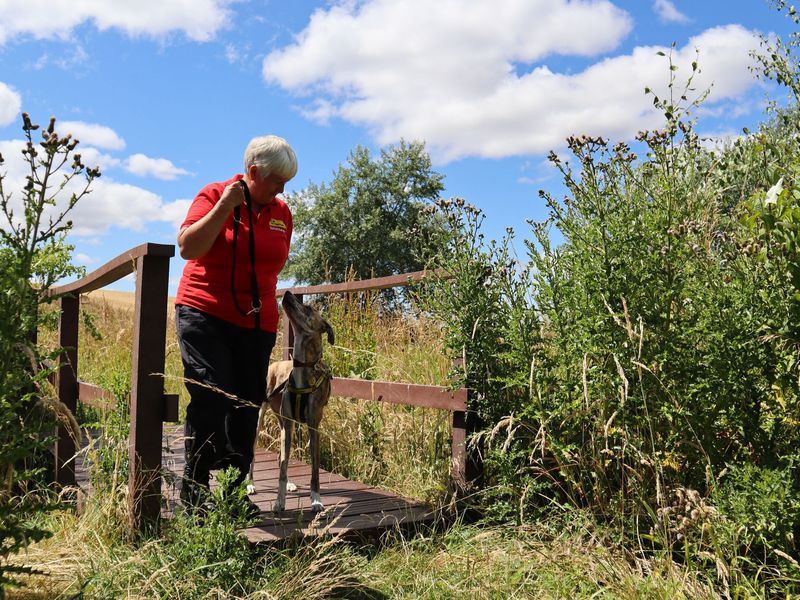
[{"x": 350, "y": 506}]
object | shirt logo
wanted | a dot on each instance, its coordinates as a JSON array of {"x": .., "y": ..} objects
[{"x": 277, "y": 225}]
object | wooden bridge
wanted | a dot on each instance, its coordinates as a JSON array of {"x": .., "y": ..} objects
[{"x": 153, "y": 473}]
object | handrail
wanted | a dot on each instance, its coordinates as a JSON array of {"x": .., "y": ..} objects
[
  {"x": 362, "y": 285},
  {"x": 409, "y": 394},
  {"x": 113, "y": 270},
  {"x": 149, "y": 406}
]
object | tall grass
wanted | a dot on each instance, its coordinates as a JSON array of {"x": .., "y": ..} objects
[
  {"x": 632, "y": 373},
  {"x": 555, "y": 558},
  {"x": 105, "y": 335}
]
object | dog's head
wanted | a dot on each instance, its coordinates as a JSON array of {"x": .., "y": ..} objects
[{"x": 304, "y": 318}]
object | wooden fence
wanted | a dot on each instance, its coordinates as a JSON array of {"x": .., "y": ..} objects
[{"x": 150, "y": 407}]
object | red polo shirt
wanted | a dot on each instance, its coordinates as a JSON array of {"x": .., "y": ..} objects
[{"x": 206, "y": 281}]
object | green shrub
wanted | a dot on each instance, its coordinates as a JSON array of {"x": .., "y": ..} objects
[
  {"x": 762, "y": 509},
  {"x": 33, "y": 255},
  {"x": 651, "y": 338}
]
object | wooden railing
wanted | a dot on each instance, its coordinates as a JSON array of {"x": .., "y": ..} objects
[
  {"x": 427, "y": 396},
  {"x": 149, "y": 406}
]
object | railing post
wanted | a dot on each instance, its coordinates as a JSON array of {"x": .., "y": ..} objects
[
  {"x": 288, "y": 334},
  {"x": 458, "y": 470},
  {"x": 67, "y": 386},
  {"x": 467, "y": 462},
  {"x": 147, "y": 388}
]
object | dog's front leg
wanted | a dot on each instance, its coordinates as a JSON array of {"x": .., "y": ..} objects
[
  {"x": 283, "y": 478},
  {"x": 313, "y": 435},
  {"x": 251, "y": 484}
]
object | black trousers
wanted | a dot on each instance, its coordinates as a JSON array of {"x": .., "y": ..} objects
[{"x": 220, "y": 425}]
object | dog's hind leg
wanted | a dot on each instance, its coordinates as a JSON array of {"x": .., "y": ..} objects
[{"x": 316, "y": 498}]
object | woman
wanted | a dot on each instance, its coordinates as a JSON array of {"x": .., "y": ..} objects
[{"x": 236, "y": 239}]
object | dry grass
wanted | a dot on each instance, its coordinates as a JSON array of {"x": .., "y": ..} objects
[
  {"x": 400, "y": 448},
  {"x": 545, "y": 561},
  {"x": 91, "y": 557},
  {"x": 79, "y": 545}
]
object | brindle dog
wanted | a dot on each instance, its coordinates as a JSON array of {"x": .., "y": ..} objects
[{"x": 298, "y": 390}]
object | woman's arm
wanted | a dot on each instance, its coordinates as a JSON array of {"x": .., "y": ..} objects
[{"x": 196, "y": 239}]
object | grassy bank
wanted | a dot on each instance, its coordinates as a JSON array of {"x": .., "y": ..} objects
[
  {"x": 565, "y": 554},
  {"x": 89, "y": 557}
]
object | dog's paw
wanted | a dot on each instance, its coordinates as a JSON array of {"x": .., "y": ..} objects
[
  {"x": 251, "y": 488},
  {"x": 316, "y": 503},
  {"x": 290, "y": 487}
]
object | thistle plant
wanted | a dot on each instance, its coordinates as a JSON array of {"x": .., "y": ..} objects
[{"x": 33, "y": 256}]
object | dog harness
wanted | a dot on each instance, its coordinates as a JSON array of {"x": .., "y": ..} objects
[{"x": 299, "y": 396}]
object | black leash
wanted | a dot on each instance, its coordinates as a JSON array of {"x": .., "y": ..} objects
[{"x": 255, "y": 303}]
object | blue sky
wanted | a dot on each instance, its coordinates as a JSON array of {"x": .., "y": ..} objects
[{"x": 165, "y": 94}]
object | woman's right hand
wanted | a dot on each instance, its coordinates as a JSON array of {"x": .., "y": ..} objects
[
  {"x": 232, "y": 196},
  {"x": 196, "y": 239}
]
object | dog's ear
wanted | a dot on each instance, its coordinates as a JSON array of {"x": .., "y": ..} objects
[{"x": 329, "y": 329}]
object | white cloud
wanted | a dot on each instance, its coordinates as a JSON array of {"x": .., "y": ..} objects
[
  {"x": 91, "y": 134},
  {"x": 110, "y": 203},
  {"x": 720, "y": 140},
  {"x": 321, "y": 111},
  {"x": 175, "y": 212},
  {"x": 232, "y": 54},
  {"x": 84, "y": 259},
  {"x": 160, "y": 168},
  {"x": 731, "y": 109},
  {"x": 667, "y": 12},
  {"x": 66, "y": 60},
  {"x": 475, "y": 42},
  {"x": 92, "y": 157},
  {"x": 470, "y": 78},
  {"x": 113, "y": 204},
  {"x": 199, "y": 20},
  {"x": 536, "y": 174},
  {"x": 10, "y": 104}
]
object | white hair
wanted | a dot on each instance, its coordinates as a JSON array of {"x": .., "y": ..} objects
[{"x": 272, "y": 155}]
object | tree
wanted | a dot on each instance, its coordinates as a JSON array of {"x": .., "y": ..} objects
[
  {"x": 369, "y": 220},
  {"x": 33, "y": 256}
]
